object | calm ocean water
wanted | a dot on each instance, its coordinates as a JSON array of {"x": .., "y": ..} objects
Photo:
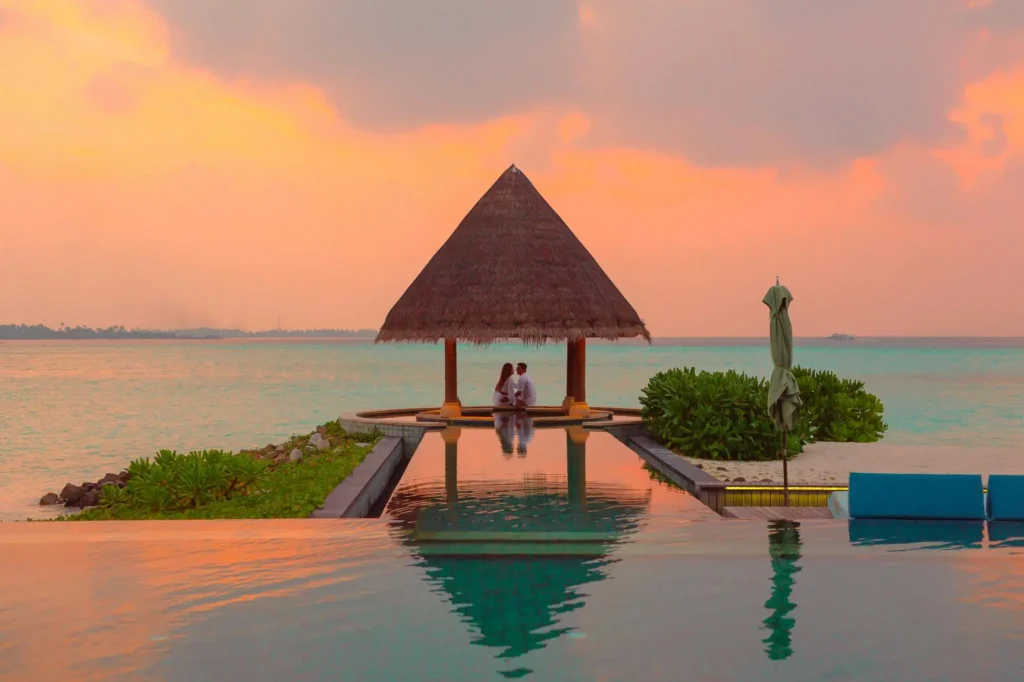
[{"x": 71, "y": 411}]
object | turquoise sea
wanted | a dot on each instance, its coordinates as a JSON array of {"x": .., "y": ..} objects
[{"x": 72, "y": 411}]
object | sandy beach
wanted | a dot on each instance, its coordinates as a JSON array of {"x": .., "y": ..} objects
[{"x": 833, "y": 462}]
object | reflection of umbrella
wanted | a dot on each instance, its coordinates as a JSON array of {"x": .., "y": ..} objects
[
  {"x": 784, "y": 548},
  {"x": 783, "y": 392}
]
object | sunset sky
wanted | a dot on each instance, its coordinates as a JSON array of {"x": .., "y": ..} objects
[{"x": 179, "y": 163}]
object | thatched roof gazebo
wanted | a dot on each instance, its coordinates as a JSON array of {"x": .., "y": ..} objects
[{"x": 513, "y": 269}]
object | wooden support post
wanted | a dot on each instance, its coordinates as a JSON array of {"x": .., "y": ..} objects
[
  {"x": 450, "y": 436},
  {"x": 579, "y": 394},
  {"x": 452, "y": 407},
  {"x": 570, "y": 374},
  {"x": 576, "y": 466}
]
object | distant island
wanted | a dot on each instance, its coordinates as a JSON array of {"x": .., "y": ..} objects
[
  {"x": 207, "y": 332},
  {"x": 39, "y": 332},
  {"x": 841, "y": 337}
]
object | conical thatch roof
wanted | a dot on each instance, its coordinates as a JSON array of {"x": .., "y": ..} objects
[{"x": 512, "y": 269}]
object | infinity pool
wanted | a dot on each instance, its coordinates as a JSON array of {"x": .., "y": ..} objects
[
  {"x": 517, "y": 483},
  {"x": 347, "y": 600},
  {"x": 560, "y": 560}
]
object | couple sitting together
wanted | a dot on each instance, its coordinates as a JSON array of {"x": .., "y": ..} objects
[{"x": 511, "y": 393}]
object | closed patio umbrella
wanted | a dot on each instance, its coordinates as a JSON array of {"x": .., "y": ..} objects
[{"x": 783, "y": 392}]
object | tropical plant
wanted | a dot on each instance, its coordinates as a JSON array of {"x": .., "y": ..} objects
[
  {"x": 166, "y": 458},
  {"x": 198, "y": 479},
  {"x": 243, "y": 474},
  {"x": 174, "y": 481},
  {"x": 723, "y": 415},
  {"x": 139, "y": 467},
  {"x": 112, "y": 495},
  {"x": 720, "y": 415},
  {"x": 153, "y": 490},
  {"x": 838, "y": 410}
]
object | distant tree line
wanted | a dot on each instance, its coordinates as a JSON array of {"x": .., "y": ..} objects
[
  {"x": 39, "y": 331},
  {"x": 42, "y": 332},
  {"x": 279, "y": 333}
]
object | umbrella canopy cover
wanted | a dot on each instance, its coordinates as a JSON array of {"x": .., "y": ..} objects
[{"x": 783, "y": 392}]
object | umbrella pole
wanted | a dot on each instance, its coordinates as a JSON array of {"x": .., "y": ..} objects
[{"x": 785, "y": 469}]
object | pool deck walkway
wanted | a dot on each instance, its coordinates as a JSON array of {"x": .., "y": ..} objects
[{"x": 777, "y": 513}]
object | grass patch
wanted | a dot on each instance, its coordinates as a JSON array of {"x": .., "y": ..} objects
[{"x": 218, "y": 485}]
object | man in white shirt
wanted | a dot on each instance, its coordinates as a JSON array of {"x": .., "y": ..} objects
[
  {"x": 526, "y": 391},
  {"x": 524, "y": 425}
]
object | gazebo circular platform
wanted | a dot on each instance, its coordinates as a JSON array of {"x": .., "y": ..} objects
[{"x": 541, "y": 416}]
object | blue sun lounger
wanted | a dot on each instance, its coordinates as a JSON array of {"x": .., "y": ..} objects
[
  {"x": 1005, "y": 498},
  {"x": 916, "y": 496}
]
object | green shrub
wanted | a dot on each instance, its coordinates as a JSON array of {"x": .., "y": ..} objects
[
  {"x": 838, "y": 410},
  {"x": 717, "y": 415},
  {"x": 174, "y": 482},
  {"x": 724, "y": 415}
]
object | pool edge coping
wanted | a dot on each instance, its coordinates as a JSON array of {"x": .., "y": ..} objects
[{"x": 357, "y": 493}]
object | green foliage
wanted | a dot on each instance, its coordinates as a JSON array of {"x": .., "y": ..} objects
[
  {"x": 724, "y": 416},
  {"x": 140, "y": 467},
  {"x": 838, "y": 410},
  {"x": 720, "y": 415},
  {"x": 174, "y": 482},
  {"x": 112, "y": 495},
  {"x": 213, "y": 484}
]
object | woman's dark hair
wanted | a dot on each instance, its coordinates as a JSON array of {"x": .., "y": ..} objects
[{"x": 506, "y": 372}]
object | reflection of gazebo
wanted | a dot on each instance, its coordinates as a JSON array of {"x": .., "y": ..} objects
[
  {"x": 515, "y": 604},
  {"x": 513, "y": 270},
  {"x": 513, "y": 555}
]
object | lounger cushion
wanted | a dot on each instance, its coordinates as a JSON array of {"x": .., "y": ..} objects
[
  {"x": 916, "y": 496},
  {"x": 1006, "y": 497}
]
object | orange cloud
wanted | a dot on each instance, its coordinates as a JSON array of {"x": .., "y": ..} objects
[
  {"x": 139, "y": 190},
  {"x": 993, "y": 116}
]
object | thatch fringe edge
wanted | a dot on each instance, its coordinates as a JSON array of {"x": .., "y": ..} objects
[{"x": 536, "y": 336}]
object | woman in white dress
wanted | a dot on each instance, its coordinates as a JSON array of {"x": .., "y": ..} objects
[
  {"x": 505, "y": 389},
  {"x": 505, "y": 427}
]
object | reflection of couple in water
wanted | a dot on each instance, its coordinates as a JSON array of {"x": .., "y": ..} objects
[
  {"x": 510, "y": 392},
  {"x": 508, "y": 426}
]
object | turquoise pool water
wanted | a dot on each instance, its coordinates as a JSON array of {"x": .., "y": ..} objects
[
  {"x": 356, "y": 600},
  {"x": 71, "y": 411},
  {"x": 525, "y": 484}
]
